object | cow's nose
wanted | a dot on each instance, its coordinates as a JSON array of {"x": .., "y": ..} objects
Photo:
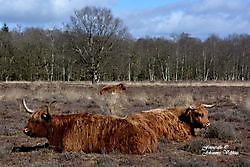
[{"x": 26, "y": 131}]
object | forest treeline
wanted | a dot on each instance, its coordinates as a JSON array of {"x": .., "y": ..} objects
[{"x": 96, "y": 46}]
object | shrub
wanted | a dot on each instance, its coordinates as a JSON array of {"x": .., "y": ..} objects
[
  {"x": 45, "y": 164},
  {"x": 4, "y": 151},
  {"x": 195, "y": 163},
  {"x": 113, "y": 104},
  {"x": 233, "y": 118},
  {"x": 218, "y": 116},
  {"x": 162, "y": 145},
  {"x": 195, "y": 146},
  {"x": 220, "y": 130},
  {"x": 5, "y": 131},
  {"x": 106, "y": 161},
  {"x": 242, "y": 162},
  {"x": 245, "y": 110}
]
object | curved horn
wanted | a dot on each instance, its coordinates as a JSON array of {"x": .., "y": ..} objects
[
  {"x": 208, "y": 106},
  {"x": 49, "y": 105},
  {"x": 30, "y": 111}
]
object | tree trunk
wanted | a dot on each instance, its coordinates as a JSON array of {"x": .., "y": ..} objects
[
  {"x": 52, "y": 67},
  {"x": 151, "y": 72},
  {"x": 129, "y": 71},
  {"x": 176, "y": 65}
]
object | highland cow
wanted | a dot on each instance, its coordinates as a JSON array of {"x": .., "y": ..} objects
[
  {"x": 112, "y": 89},
  {"x": 89, "y": 132},
  {"x": 136, "y": 133},
  {"x": 173, "y": 123}
]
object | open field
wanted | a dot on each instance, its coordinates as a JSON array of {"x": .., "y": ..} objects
[{"x": 229, "y": 134}]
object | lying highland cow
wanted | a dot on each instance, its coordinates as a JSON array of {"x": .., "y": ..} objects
[
  {"x": 134, "y": 134},
  {"x": 173, "y": 123},
  {"x": 112, "y": 88},
  {"x": 89, "y": 132}
]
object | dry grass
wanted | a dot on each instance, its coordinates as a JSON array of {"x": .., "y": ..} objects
[
  {"x": 187, "y": 83},
  {"x": 241, "y": 162},
  {"x": 181, "y": 100},
  {"x": 116, "y": 104},
  {"x": 235, "y": 99},
  {"x": 141, "y": 97},
  {"x": 195, "y": 163},
  {"x": 248, "y": 104},
  {"x": 71, "y": 95},
  {"x": 144, "y": 83},
  {"x": 12, "y": 94},
  {"x": 82, "y": 96},
  {"x": 112, "y": 104}
]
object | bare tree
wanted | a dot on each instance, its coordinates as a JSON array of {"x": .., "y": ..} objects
[
  {"x": 98, "y": 30},
  {"x": 96, "y": 46}
]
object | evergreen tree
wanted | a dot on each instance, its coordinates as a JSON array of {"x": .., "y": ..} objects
[{"x": 5, "y": 28}]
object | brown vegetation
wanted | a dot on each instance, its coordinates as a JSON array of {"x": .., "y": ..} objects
[{"x": 16, "y": 149}]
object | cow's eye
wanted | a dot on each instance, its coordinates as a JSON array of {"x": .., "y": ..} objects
[
  {"x": 198, "y": 114},
  {"x": 45, "y": 117}
]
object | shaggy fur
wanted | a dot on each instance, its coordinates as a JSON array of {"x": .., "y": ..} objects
[
  {"x": 134, "y": 134},
  {"x": 112, "y": 89},
  {"x": 175, "y": 123},
  {"x": 164, "y": 125},
  {"x": 91, "y": 133}
]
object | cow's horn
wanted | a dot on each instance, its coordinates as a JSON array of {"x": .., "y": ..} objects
[
  {"x": 26, "y": 108},
  {"x": 208, "y": 105},
  {"x": 49, "y": 105}
]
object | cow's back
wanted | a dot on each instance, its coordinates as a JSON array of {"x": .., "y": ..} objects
[
  {"x": 112, "y": 89},
  {"x": 163, "y": 124},
  {"x": 98, "y": 133}
]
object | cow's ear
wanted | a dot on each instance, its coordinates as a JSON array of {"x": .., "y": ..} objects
[
  {"x": 189, "y": 109},
  {"x": 45, "y": 116},
  {"x": 187, "y": 112},
  {"x": 192, "y": 107}
]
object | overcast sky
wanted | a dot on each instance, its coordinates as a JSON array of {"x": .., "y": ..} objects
[{"x": 155, "y": 18}]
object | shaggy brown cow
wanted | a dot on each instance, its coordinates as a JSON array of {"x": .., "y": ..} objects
[
  {"x": 112, "y": 89},
  {"x": 134, "y": 134},
  {"x": 173, "y": 123},
  {"x": 89, "y": 132}
]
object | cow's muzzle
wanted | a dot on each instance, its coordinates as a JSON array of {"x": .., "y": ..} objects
[
  {"x": 207, "y": 124},
  {"x": 27, "y": 132}
]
